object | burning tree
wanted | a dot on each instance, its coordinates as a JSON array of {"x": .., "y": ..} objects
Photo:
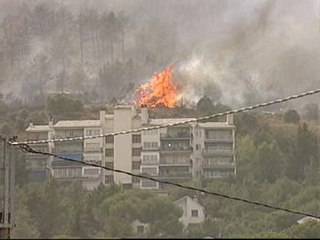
[{"x": 159, "y": 91}]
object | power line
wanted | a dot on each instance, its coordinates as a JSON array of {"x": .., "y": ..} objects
[
  {"x": 244, "y": 109},
  {"x": 27, "y": 148}
]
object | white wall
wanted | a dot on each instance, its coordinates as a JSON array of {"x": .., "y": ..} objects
[
  {"x": 187, "y": 206},
  {"x": 123, "y": 144}
]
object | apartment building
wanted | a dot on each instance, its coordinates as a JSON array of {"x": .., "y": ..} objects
[
  {"x": 37, "y": 165},
  {"x": 88, "y": 150},
  {"x": 189, "y": 152}
]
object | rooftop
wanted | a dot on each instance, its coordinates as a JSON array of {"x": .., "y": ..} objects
[
  {"x": 38, "y": 128},
  {"x": 215, "y": 125},
  {"x": 77, "y": 123},
  {"x": 180, "y": 200},
  {"x": 161, "y": 121}
]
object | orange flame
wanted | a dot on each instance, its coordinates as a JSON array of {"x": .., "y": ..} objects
[{"x": 160, "y": 91}]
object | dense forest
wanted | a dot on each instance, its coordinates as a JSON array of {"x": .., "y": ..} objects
[{"x": 277, "y": 163}]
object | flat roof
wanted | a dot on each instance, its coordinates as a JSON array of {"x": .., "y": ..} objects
[
  {"x": 162, "y": 121},
  {"x": 77, "y": 123},
  {"x": 123, "y": 107},
  {"x": 38, "y": 128},
  {"x": 215, "y": 125}
]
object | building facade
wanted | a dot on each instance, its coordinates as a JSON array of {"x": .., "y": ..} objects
[
  {"x": 192, "y": 211},
  {"x": 189, "y": 152}
]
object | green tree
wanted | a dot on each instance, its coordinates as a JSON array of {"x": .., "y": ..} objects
[
  {"x": 270, "y": 160},
  {"x": 291, "y": 116},
  {"x": 75, "y": 210},
  {"x": 268, "y": 235},
  {"x": 246, "y": 123},
  {"x": 309, "y": 230},
  {"x": 7, "y": 129},
  {"x": 305, "y": 151},
  {"x": 163, "y": 217},
  {"x": 63, "y": 105},
  {"x": 25, "y": 227},
  {"x": 311, "y": 111},
  {"x": 246, "y": 151},
  {"x": 3, "y": 106}
]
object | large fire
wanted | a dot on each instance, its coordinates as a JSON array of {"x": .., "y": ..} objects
[{"x": 159, "y": 91}]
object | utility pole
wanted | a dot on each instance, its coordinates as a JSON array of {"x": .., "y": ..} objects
[{"x": 7, "y": 184}]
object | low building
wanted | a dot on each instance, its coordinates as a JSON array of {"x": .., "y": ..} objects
[
  {"x": 193, "y": 211},
  {"x": 139, "y": 228}
]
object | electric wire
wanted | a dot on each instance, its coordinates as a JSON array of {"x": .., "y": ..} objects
[
  {"x": 244, "y": 109},
  {"x": 27, "y": 148}
]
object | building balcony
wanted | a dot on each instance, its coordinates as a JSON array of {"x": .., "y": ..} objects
[
  {"x": 173, "y": 148},
  {"x": 150, "y": 149},
  {"x": 150, "y": 162},
  {"x": 165, "y": 136},
  {"x": 174, "y": 163},
  {"x": 72, "y": 155},
  {"x": 93, "y": 150},
  {"x": 217, "y": 152},
  {"x": 175, "y": 175},
  {"x": 34, "y": 156},
  {"x": 230, "y": 165},
  {"x": 57, "y": 163},
  {"x": 218, "y": 140}
]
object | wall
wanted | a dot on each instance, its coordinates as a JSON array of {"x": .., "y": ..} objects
[{"x": 123, "y": 144}]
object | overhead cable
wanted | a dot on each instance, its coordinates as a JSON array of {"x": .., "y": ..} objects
[
  {"x": 244, "y": 109},
  {"x": 27, "y": 148}
]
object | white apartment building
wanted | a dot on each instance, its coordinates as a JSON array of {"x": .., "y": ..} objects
[{"x": 190, "y": 152}]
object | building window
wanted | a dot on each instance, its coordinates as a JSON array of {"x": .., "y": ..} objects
[
  {"x": 127, "y": 186},
  {"x": 148, "y": 184},
  {"x": 194, "y": 213},
  {"x": 153, "y": 171},
  {"x": 150, "y": 132},
  {"x": 136, "y": 151},
  {"x": 92, "y": 147},
  {"x": 135, "y": 180},
  {"x": 109, "y": 139},
  {"x": 140, "y": 229},
  {"x": 198, "y": 147},
  {"x": 108, "y": 179},
  {"x": 150, "y": 145},
  {"x": 92, "y": 132},
  {"x": 150, "y": 159},
  {"x": 91, "y": 171},
  {"x": 219, "y": 134},
  {"x": 109, "y": 164},
  {"x": 109, "y": 152},
  {"x": 136, "y": 138},
  {"x": 136, "y": 165}
]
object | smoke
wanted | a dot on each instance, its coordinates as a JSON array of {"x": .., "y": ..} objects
[
  {"x": 267, "y": 50},
  {"x": 235, "y": 52}
]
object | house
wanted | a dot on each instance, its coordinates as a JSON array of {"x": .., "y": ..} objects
[
  {"x": 193, "y": 211},
  {"x": 139, "y": 228}
]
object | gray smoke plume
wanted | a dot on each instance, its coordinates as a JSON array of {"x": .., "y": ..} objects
[{"x": 236, "y": 52}]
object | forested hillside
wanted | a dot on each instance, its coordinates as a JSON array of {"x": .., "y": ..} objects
[{"x": 277, "y": 163}]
